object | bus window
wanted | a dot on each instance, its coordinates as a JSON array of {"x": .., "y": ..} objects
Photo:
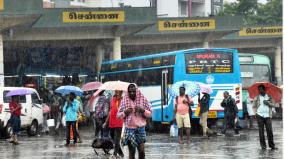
[
  {"x": 254, "y": 73},
  {"x": 168, "y": 60}
]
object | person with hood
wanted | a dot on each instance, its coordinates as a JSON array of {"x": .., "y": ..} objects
[
  {"x": 230, "y": 113},
  {"x": 134, "y": 109}
]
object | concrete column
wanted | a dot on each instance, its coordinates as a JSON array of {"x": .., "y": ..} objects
[
  {"x": 99, "y": 57},
  {"x": 116, "y": 49},
  {"x": 278, "y": 66},
  {"x": 205, "y": 44},
  {"x": 1, "y": 62}
]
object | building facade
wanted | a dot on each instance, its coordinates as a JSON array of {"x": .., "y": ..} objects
[{"x": 165, "y": 8}]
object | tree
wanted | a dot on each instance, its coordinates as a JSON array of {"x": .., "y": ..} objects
[
  {"x": 254, "y": 12},
  {"x": 270, "y": 13}
]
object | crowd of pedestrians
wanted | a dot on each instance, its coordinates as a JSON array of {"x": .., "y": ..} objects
[{"x": 131, "y": 109}]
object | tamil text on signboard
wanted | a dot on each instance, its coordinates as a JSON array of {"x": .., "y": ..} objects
[
  {"x": 93, "y": 17},
  {"x": 209, "y": 62},
  {"x": 171, "y": 25},
  {"x": 261, "y": 31}
]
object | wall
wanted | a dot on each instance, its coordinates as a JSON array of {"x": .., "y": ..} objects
[
  {"x": 168, "y": 9},
  {"x": 115, "y": 3},
  {"x": 197, "y": 10}
]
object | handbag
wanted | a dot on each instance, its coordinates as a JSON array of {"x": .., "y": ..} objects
[{"x": 197, "y": 111}]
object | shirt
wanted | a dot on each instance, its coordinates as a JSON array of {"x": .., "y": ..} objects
[
  {"x": 182, "y": 108},
  {"x": 263, "y": 110},
  {"x": 12, "y": 106},
  {"x": 134, "y": 119},
  {"x": 114, "y": 122},
  {"x": 71, "y": 110}
]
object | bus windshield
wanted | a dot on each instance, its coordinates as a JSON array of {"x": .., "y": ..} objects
[{"x": 254, "y": 73}]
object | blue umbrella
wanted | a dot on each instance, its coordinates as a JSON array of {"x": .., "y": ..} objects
[
  {"x": 19, "y": 92},
  {"x": 64, "y": 90},
  {"x": 191, "y": 88}
]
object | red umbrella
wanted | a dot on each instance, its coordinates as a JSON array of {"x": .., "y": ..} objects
[
  {"x": 91, "y": 86},
  {"x": 270, "y": 88}
]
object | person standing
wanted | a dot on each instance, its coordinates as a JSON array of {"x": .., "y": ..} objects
[
  {"x": 15, "y": 110},
  {"x": 262, "y": 106},
  {"x": 101, "y": 113},
  {"x": 115, "y": 124},
  {"x": 79, "y": 118},
  {"x": 250, "y": 111},
  {"x": 204, "y": 108},
  {"x": 230, "y": 112},
  {"x": 182, "y": 118},
  {"x": 70, "y": 109},
  {"x": 134, "y": 109},
  {"x": 57, "y": 104}
]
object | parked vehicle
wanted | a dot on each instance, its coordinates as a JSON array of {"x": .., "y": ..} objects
[{"x": 31, "y": 113}]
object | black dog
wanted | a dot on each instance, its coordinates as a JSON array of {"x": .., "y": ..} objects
[{"x": 105, "y": 144}]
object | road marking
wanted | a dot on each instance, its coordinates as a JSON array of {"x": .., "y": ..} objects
[{"x": 200, "y": 155}]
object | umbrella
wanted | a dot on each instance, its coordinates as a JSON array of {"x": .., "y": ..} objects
[
  {"x": 191, "y": 88},
  {"x": 18, "y": 92},
  {"x": 91, "y": 86},
  {"x": 270, "y": 88},
  {"x": 205, "y": 88},
  {"x": 64, "y": 90},
  {"x": 114, "y": 85},
  {"x": 109, "y": 86}
]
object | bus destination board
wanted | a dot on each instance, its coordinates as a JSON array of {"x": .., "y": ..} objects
[{"x": 209, "y": 62}]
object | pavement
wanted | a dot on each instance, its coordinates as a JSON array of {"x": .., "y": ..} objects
[{"x": 159, "y": 145}]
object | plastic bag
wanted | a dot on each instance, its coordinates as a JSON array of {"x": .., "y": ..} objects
[
  {"x": 173, "y": 130},
  {"x": 63, "y": 120}
]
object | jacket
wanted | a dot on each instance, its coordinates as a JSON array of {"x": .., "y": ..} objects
[
  {"x": 229, "y": 106},
  {"x": 71, "y": 110},
  {"x": 204, "y": 103},
  {"x": 256, "y": 104}
]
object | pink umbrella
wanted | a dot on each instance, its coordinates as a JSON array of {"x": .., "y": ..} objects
[
  {"x": 110, "y": 85},
  {"x": 115, "y": 85},
  {"x": 91, "y": 86},
  {"x": 205, "y": 88}
]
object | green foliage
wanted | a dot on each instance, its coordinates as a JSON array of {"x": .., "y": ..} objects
[{"x": 255, "y": 13}]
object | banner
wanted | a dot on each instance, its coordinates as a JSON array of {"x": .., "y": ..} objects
[
  {"x": 173, "y": 25},
  {"x": 261, "y": 31},
  {"x": 94, "y": 17},
  {"x": 1, "y": 4}
]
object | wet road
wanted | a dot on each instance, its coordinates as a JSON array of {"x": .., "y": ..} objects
[{"x": 158, "y": 146}]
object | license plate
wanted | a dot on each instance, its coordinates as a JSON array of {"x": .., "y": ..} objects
[{"x": 212, "y": 114}]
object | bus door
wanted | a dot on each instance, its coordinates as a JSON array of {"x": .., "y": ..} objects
[{"x": 164, "y": 94}]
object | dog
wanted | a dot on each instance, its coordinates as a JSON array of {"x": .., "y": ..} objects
[{"x": 105, "y": 144}]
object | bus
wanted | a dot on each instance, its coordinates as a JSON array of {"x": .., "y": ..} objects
[
  {"x": 254, "y": 68},
  {"x": 156, "y": 73}
]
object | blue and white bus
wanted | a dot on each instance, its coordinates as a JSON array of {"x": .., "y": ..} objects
[{"x": 155, "y": 74}]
